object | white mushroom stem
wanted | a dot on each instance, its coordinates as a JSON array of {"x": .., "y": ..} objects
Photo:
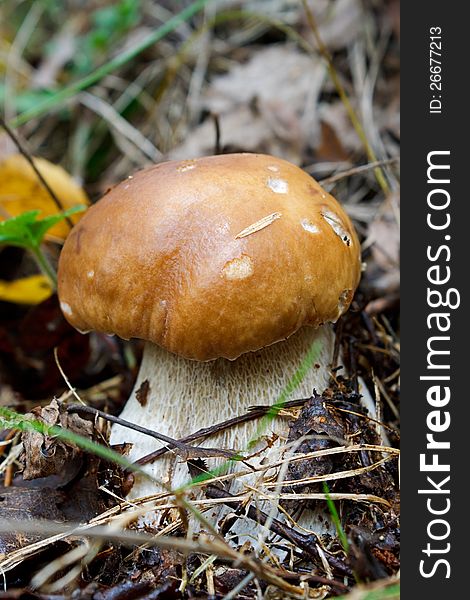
[{"x": 184, "y": 396}]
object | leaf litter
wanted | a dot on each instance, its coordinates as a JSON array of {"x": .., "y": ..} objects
[{"x": 271, "y": 95}]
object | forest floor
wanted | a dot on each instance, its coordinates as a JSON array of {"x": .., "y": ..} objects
[{"x": 110, "y": 88}]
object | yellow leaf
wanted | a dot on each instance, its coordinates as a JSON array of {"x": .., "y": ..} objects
[
  {"x": 21, "y": 190},
  {"x": 29, "y": 290}
]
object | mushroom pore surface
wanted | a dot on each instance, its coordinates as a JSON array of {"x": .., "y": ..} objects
[{"x": 182, "y": 396}]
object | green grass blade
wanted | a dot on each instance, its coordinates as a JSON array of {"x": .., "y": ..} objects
[
  {"x": 335, "y": 518},
  {"x": 121, "y": 59}
]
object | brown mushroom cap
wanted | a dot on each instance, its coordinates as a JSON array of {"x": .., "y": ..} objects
[{"x": 211, "y": 257}]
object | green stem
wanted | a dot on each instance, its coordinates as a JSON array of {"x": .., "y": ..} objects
[{"x": 45, "y": 265}]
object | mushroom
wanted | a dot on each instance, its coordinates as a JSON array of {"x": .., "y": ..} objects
[{"x": 230, "y": 267}]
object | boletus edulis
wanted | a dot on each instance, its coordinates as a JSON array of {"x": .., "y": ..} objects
[{"x": 230, "y": 267}]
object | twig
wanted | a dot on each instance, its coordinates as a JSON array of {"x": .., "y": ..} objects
[
  {"x": 209, "y": 502},
  {"x": 306, "y": 542},
  {"x": 120, "y": 125},
  {"x": 216, "y": 120},
  {"x": 330, "y": 476},
  {"x": 361, "y": 169},
  {"x": 366, "y": 417},
  {"x": 64, "y": 376},
  {"x": 186, "y": 546},
  {"x": 185, "y": 450},
  {"x": 254, "y": 413},
  {"x": 30, "y": 160}
]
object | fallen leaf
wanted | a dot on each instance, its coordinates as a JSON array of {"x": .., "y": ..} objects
[
  {"x": 339, "y": 23},
  {"x": 384, "y": 238},
  {"x": 262, "y": 105},
  {"x": 46, "y": 455},
  {"x": 330, "y": 149},
  {"x": 373, "y": 555},
  {"x": 28, "y": 290},
  {"x": 334, "y": 116},
  {"x": 21, "y": 190}
]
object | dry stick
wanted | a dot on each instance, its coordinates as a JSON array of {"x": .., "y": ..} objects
[
  {"x": 64, "y": 376},
  {"x": 366, "y": 417},
  {"x": 255, "y": 413},
  {"x": 30, "y": 160},
  {"x": 185, "y": 450},
  {"x": 216, "y": 119},
  {"x": 316, "y": 578},
  {"x": 323, "y": 50},
  {"x": 186, "y": 546},
  {"x": 306, "y": 542},
  {"x": 361, "y": 169}
]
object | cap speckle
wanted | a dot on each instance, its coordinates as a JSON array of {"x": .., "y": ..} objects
[
  {"x": 344, "y": 301},
  {"x": 337, "y": 225},
  {"x": 66, "y": 309},
  {"x": 273, "y": 168},
  {"x": 309, "y": 226},
  {"x": 238, "y": 268},
  {"x": 186, "y": 166},
  {"x": 278, "y": 186},
  {"x": 90, "y": 274}
]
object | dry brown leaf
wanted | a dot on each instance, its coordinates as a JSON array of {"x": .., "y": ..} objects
[
  {"x": 21, "y": 190},
  {"x": 384, "y": 238},
  {"x": 28, "y": 504},
  {"x": 267, "y": 104},
  {"x": 339, "y": 22},
  {"x": 330, "y": 148},
  {"x": 280, "y": 74},
  {"x": 49, "y": 455},
  {"x": 334, "y": 115}
]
